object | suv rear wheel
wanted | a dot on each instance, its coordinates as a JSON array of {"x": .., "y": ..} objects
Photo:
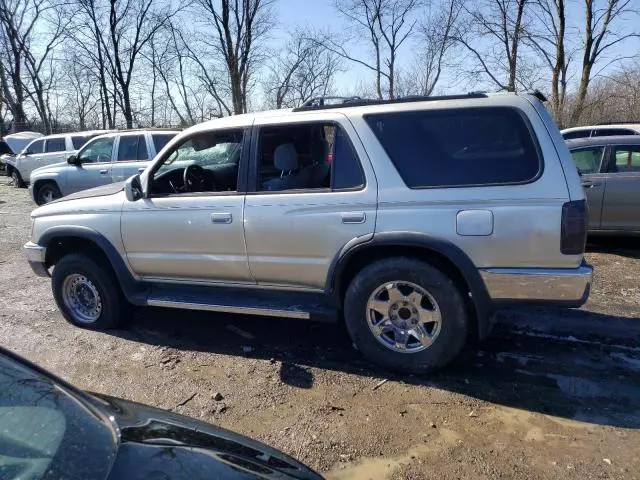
[
  {"x": 87, "y": 294},
  {"x": 47, "y": 192},
  {"x": 406, "y": 315}
]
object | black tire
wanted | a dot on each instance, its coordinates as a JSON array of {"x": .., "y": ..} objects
[
  {"x": 455, "y": 318},
  {"x": 47, "y": 192},
  {"x": 16, "y": 179},
  {"x": 115, "y": 310}
]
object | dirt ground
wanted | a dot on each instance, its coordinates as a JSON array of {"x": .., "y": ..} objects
[{"x": 552, "y": 394}]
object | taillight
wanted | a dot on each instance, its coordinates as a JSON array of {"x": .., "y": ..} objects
[{"x": 575, "y": 218}]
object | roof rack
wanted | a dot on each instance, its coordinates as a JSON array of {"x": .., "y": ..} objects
[
  {"x": 626, "y": 122},
  {"x": 319, "y": 104}
]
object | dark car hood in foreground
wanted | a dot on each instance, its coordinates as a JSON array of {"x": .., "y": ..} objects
[
  {"x": 108, "y": 189},
  {"x": 155, "y": 444}
]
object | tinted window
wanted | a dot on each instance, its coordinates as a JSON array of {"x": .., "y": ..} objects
[
  {"x": 588, "y": 160},
  {"x": 445, "y": 148},
  {"x": 55, "y": 145},
  {"x": 627, "y": 159},
  {"x": 79, "y": 140},
  {"x": 609, "y": 132},
  {"x": 45, "y": 432},
  {"x": 98, "y": 150},
  {"x": 576, "y": 134},
  {"x": 161, "y": 139},
  {"x": 307, "y": 156},
  {"x": 36, "y": 147},
  {"x": 132, "y": 147}
]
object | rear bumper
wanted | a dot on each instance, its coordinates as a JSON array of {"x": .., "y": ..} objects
[
  {"x": 36, "y": 256},
  {"x": 567, "y": 287}
]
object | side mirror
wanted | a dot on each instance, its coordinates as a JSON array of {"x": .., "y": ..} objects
[
  {"x": 73, "y": 160},
  {"x": 133, "y": 188},
  {"x": 27, "y": 153}
]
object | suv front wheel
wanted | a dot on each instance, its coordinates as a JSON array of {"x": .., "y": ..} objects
[
  {"x": 406, "y": 315},
  {"x": 87, "y": 294},
  {"x": 47, "y": 192}
]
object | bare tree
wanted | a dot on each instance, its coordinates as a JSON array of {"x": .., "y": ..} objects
[
  {"x": 387, "y": 24},
  {"x": 240, "y": 27},
  {"x": 302, "y": 70},
  {"x": 494, "y": 37},
  {"x": 599, "y": 37}
]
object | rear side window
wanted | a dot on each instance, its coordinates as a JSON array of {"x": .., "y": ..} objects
[
  {"x": 587, "y": 159},
  {"x": 576, "y": 134},
  {"x": 161, "y": 139},
  {"x": 132, "y": 147},
  {"x": 36, "y": 147},
  {"x": 462, "y": 147},
  {"x": 55, "y": 145},
  {"x": 610, "y": 132},
  {"x": 627, "y": 159}
]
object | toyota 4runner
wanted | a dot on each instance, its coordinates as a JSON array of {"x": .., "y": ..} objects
[{"x": 410, "y": 219}]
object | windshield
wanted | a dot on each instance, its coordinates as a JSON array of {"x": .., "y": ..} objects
[{"x": 45, "y": 433}]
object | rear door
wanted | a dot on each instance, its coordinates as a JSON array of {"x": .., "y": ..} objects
[
  {"x": 132, "y": 156},
  {"x": 621, "y": 204},
  {"x": 54, "y": 152},
  {"x": 95, "y": 165},
  {"x": 588, "y": 161}
]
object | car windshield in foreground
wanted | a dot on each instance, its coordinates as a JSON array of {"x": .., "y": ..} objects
[{"x": 45, "y": 432}]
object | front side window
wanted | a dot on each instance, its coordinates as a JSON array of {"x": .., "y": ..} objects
[
  {"x": 576, "y": 134},
  {"x": 99, "y": 150},
  {"x": 627, "y": 159},
  {"x": 36, "y": 146},
  {"x": 132, "y": 147},
  {"x": 206, "y": 162},
  {"x": 588, "y": 160},
  {"x": 460, "y": 147},
  {"x": 55, "y": 145},
  {"x": 307, "y": 156}
]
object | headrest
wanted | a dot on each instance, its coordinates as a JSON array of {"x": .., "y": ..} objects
[{"x": 285, "y": 157}]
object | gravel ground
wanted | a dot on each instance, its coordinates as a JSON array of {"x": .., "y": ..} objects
[{"x": 553, "y": 393}]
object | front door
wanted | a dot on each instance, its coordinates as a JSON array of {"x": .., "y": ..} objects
[
  {"x": 190, "y": 227},
  {"x": 94, "y": 168},
  {"x": 313, "y": 192},
  {"x": 621, "y": 204},
  {"x": 589, "y": 161}
]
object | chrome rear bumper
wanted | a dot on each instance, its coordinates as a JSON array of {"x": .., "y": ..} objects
[{"x": 554, "y": 286}]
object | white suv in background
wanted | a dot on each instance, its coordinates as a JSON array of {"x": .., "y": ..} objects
[
  {"x": 108, "y": 158},
  {"x": 46, "y": 151},
  {"x": 613, "y": 129}
]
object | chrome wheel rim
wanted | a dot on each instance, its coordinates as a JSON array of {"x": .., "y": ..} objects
[
  {"x": 404, "y": 317},
  {"x": 47, "y": 196},
  {"x": 15, "y": 180},
  {"x": 81, "y": 297}
]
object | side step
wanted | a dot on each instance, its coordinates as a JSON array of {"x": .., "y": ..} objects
[{"x": 304, "y": 306}]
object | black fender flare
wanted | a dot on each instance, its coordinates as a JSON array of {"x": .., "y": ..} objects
[
  {"x": 480, "y": 298},
  {"x": 133, "y": 290}
]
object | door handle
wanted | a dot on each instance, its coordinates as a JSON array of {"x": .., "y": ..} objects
[
  {"x": 591, "y": 184},
  {"x": 104, "y": 172},
  {"x": 221, "y": 217},
  {"x": 354, "y": 217}
]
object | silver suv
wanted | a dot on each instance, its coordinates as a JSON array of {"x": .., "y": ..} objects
[
  {"x": 45, "y": 151},
  {"x": 108, "y": 158},
  {"x": 411, "y": 220}
]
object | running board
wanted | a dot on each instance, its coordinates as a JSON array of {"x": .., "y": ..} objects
[{"x": 303, "y": 306}]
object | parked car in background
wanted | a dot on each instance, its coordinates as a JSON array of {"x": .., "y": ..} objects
[
  {"x": 12, "y": 144},
  {"x": 46, "y": 151},
  {"x": 433, "y": 212},
  {"x": 52, "y": 430},
  {"x": 601, "y": 130},
  {"x": 610, "y": 174},
  {"x": 108, "y": 158}
]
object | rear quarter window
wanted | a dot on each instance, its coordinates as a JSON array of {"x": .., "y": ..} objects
[{"x": 461, "y": 147}]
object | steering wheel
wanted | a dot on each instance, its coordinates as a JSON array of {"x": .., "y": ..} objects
[{"x": 195, "y": 178}]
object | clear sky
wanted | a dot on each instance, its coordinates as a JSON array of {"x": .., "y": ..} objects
[{"x": 321, "y": 15}]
